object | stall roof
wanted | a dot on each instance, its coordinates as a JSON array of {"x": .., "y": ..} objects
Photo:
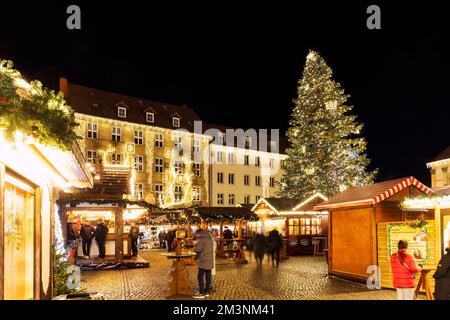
[
  {"x": 288, "y": 204},
  {"x": 236, "y": 212},
  {"x": 441, "y": 190},
  {"x": 371, "y": 194}
]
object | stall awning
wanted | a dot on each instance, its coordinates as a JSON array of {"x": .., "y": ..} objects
[{"x": 371, "y": 194}]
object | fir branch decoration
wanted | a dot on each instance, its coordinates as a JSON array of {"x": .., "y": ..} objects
[
  {"x": 417, "y": 224},
  {"x": 34, "y": 110}
]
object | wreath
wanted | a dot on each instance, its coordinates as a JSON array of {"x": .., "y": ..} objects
[{"x": 34, "y": 110}]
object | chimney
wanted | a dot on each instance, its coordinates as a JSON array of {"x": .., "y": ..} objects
[{"x": 64, "y": 86}]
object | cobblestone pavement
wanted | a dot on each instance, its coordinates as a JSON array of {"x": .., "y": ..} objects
[{"x": 296, "y": 279}]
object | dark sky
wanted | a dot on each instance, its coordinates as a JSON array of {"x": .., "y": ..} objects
[{"x": 239, "y": 65}]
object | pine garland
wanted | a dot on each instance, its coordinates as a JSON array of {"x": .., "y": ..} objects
[
  {"x": 72, "y": 202},
  {"x": 34, "y": 110}
]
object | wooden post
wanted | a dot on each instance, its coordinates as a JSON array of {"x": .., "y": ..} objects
[
  {"x": 118, "y": 215},
  {"x": 438, "y": 231},
  {"x": 37, "y": 242}
]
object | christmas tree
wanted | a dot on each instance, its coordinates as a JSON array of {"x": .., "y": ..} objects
[{"x": 326, "y": 153}]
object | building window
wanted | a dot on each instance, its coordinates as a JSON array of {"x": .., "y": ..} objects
[
  {"x": 150, "y": 117},
  {"x": 257, "y": 181},
  {"x": 122, "y": 112},
  {"x": 138, "y": 134},
  {"x": 178, "y": 193},
  {"x": 220, "y": 198},
  {"x": 272, "y": 163},
  {"x": 91, "y": 156},
  {"x": 247, "y": 199},
  {"x": 272, "y": 182},
  {"x": 159, "y": 192},
  {"x": 138, "y": 163},
  {"x": 231, "y": 198},
  {"x": 248, "y": 142},
  {"x": 139, "y": 191},
  {"x": 92, "y": 131},
  {"x": 220, "y": 138},
  {"x": 178, "y": 166},
  {"x": 230, "y": 158},
  {"x": 257, "y": 198},
  {"x": 176, "y": 122},
  {"x": 246, "y": 160},
  {"x": 159, "y": 140},
  {"x": 196, "y": 169},
  {"x": 196, "y": 147},
  {"x": 219, "y": 157},
  {"x": 219, "y": 177},
  {"x": 115, "y": 158},
  {"x": 116, "y": 134},
  {"x": 273, "y": 147},
  {"x": 177, "y": 143},
  {"x": 159, "y": 165},
  {"x": 231, "y": 178},
  {"x": 246, "y": 180},
  {"x": 305, "y": 226},
  {"x": 196, "y": 194},
  {"x": 257, "y": 161}
]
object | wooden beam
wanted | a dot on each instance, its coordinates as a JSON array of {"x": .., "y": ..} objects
[
  {"x": 37, "y": 244},
  {"x": 119, "y": 234}
]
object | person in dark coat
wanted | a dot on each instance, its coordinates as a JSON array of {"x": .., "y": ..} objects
[
  {"x": 87, "y": 233},
  {"x": 259, "y": 245},
  {"x": 100, "y": 236},
  {"x": 275, "y": 244},
  {"x": 134, "y": 235},
  {"x": 162, "y": 239},
  {"x": 442, "y": 277},
  {"x": 204, "y": 247},
  {"x": 170, "y": 236},
  {"x": 228, "y": 238}
]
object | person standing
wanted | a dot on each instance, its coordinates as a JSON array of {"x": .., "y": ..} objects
[
  {"x": 275, "y": 245},
  {"x": 259, "y": 246},
  {"x": 170, "y": 236},
  {"x": 162, "y": 239},
  {"x": 403, "y": 269},
  {"x": 442, "y": 277},
  {"x": 87, "y": 233},
  {"x": 134, "y": 235},
  {"x": 228, "y": 238},
  {"x": 100, "y": 236},
  {"x": 204, "y": 247}
]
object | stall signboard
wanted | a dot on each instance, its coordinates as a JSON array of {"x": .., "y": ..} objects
[{"x": 417, "y": 240}]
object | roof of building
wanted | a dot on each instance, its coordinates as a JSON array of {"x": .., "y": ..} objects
[
  {"x": 371, "y": 194},
  {"x": 445, "y": 154},
  {"x": 441, "y": 190},
  {"x": 100, "y": 103}
]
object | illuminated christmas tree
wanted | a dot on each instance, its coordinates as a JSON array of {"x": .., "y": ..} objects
[{"x": 326, "y": 153}]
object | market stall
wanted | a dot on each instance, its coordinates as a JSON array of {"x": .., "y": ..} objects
[
  {"x": 366, "y": 224},
  {"x": 303, "y": 229}
]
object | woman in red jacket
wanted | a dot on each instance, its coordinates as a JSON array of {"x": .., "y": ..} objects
[{"x": 403, "y": 269}]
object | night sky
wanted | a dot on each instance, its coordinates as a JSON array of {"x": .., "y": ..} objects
[{"x": 239, "y": 65}]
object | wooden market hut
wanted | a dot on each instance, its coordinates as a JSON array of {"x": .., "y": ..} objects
[
  {"x": 109, "y": 199},
  {"x": 296, "y": 220},
  {"x": 365, "y": 224}
]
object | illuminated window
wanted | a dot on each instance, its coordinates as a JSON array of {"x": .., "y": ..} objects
[
  {"x": 159, "y": 165},
  {"x": 176, "y": 122},
  {"x": 272, "y": 163},
  {"x": 196, "y": 194},
  {"x": 196, "y": 169},
  {"x": 219, "y": 157},
  {"x": 159, "y": 191},
  {"x": 273, "y": 147},
  {"x": 178, "y": 193},
  {"x": 257, "y": 181},
  {"x": 257, "y": 198},
  {"x": 91, "y": 156},
  {"x": 177, "y": 143},
  {"x": 139, "y": 191},
  {"x": 92, "y": 131},
  {"x": 159, "y": 140},
  {"x": 138, "y": 163},
  {"x": 115, "y": 158},
  {"x": 231, "y": 199},
  {"x": 246, "y": 180},
  {"x": 220, "y": 138},
  {"x": 246, "y": 160},
  {"x": 294, "y": 227},
  {"x": 197, "y": 143},
  {"x": 247, "y": 199},
  {"x": 150, "y": 117},
  {"x": 248, "y": 142},
  {"x": 257, "y": 161},
  {"x": 219, "y": 177},
  {"x": 122, "y": 112},
  {"x": 272, "y": 182},
  {"x": 231, "y": 178},
  {"x": 305, "y": 226},
  {"x": 230, "y": 158},
  {"x": 116, "y": 133},
  {"x": 220, "y": 198},
  {"x": 138, "y": 137}
]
